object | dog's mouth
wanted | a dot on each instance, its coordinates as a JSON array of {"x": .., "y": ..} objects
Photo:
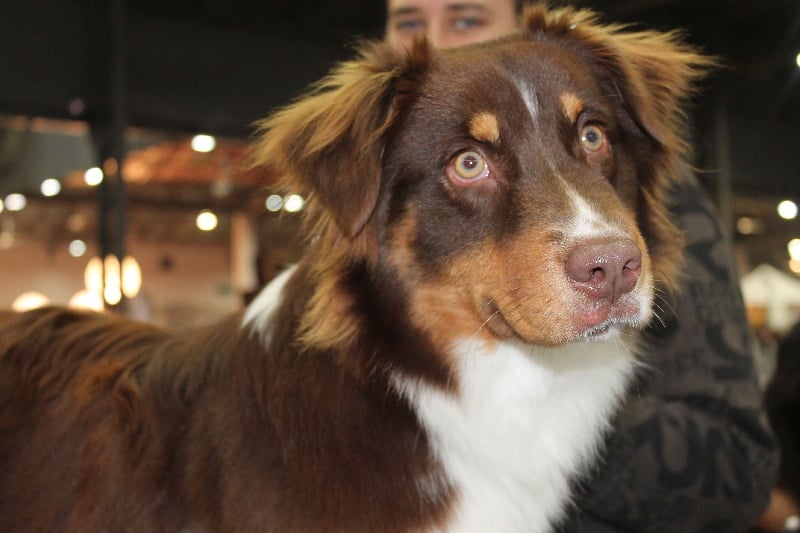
[
  {"x": 611, "y": 326},
  {"x": 606, "y": 331},
  {"x": 496, "y": 322}
]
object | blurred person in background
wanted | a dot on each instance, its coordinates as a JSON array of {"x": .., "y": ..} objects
[
  {"x": 692, "y": 449},
  {"x": 783, "y": 409}
]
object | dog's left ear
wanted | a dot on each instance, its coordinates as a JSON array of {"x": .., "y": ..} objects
[
  {"x": 653, "y": 73},
  {"x": 327, "y": 144}
]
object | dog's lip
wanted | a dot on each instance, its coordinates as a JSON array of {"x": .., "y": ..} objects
[
  {"x": 606, "y": 330},
  {"x": 601, "y": 323},
  {"x": 496, "y": 322},
  {"x": 605, "y": 313}
]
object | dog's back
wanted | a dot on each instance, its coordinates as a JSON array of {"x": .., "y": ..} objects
[
  {"x": 486, "y": 226},
  {"x": 111, "y": 425},
  {"x": 94, "y": 422}
]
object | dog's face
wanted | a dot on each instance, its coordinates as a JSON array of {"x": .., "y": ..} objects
[
  {"x": 510, "y": 197},
  {"x": 512, "y": 189}
]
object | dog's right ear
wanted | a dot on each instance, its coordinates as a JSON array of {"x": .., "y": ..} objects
[{"x": 328, "y": 144}]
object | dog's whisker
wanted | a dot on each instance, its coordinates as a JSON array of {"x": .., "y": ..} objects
[{"x": 475, "y": 337}]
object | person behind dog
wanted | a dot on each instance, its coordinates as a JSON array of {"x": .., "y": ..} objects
[
  {"x": 783, "y": 409},
  {"x": 692, "y": 450}
]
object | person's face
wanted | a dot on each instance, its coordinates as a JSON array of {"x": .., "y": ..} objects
[{"x": 448, "y": 23}]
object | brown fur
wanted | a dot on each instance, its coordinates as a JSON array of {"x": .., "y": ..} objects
[{"x": 109, "y": 425}]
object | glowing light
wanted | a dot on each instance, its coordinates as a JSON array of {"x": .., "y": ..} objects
[
  {"x": 113, "y": 279},
  {"x": 203, "y": 143},
  {"x": 112, "y": 291},
  {"x": 794, "y": 249},
  {"x": 29, "y": 300},
  {"x": 93, "y": 177},
  {"x": 2, "y": 205},
  {"x": 206, "y": 220},
  {"x": 77, "y": 222},
  {"x": 77, "y": 248},
  {"x": 293, "y": 203},
  {"x": 274, "y": 202},
  {"x": 797, "y": 59},
  {"x": 787, "y": 210},
  {"x": 110, "y": 166},
  {"x": 93, "y": 275},
  {"x": 16, "y": 202},
  {"x": 50, "y": 187},
  {"x": 131, "y": 277},
  {"x": 85, "y": 299},
  {"x": 749, "y": 226}
]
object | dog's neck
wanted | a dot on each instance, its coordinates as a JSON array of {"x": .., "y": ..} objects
[
  {"x": 512, "y": 474},
  {"x": 487, "y": 432}
]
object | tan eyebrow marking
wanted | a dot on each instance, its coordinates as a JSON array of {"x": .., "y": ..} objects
[
  {"x": 483, "y": 126},
  {"x": 571, "y": 105}
]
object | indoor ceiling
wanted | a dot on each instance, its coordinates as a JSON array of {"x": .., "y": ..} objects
[{"x": 184, "y": 66}]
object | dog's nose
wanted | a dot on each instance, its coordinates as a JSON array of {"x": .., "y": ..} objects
[{"x": 606, "y": 268}]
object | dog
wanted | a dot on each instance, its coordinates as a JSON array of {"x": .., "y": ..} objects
[{"x": 487, "y": 233}]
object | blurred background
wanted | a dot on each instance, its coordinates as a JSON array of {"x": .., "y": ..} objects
[{"x": 124, "y": 125}]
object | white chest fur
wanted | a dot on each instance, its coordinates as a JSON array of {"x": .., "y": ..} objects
[{"x": 524, "y": 420}]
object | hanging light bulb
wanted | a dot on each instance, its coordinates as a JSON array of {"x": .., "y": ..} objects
[
  {"x": 110, "y": 279},
  {"x": 112, "y": 290},
  {"x": 16, "y": 202},
  {"x": 93, "y": 276},
  {"x": 50, "y": 187},
  {"x": 93, "y": 176},
  {"x": 206, "y": 220},
  {"x": 203, "y": 143},
  {"x": 131, "y": 277}
]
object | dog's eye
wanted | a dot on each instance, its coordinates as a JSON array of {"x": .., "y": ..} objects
[
  {"x": 593, "y": 138},
  {"x": 470, "y": 166}
]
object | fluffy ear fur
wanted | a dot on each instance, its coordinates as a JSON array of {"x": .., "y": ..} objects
[
  {"x": 327, "y": 145},
  {"x": 654, "y": 73}
]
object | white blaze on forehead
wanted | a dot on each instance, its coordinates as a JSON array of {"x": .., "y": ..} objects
[
  {"x": 528, "y": 93},
  {"x": 588, "y": 221}
]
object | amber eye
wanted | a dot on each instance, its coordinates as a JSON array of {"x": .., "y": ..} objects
[
  {"x": 593, "y": 138},
  {"x": 470, "y": 166}
]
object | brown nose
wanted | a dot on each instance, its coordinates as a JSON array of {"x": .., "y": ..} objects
[{"x": 605, "y": 268}]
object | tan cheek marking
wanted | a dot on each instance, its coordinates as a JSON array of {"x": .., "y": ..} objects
[
  {"x": 450, "y": 306},
  {"x": 439, "y": 306},
  {"x": 526, "y": 283},
  {"x": 484, "y": 127},
  {"x": 520, "y": 278},
  {"x": 328, "y": 321},
  {"x": 572, "y": 106}
]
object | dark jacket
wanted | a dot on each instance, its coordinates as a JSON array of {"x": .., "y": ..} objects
[{"x": 691, "y": 450}]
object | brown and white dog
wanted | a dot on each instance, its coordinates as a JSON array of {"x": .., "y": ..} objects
[{"x": 487, "y": 228}]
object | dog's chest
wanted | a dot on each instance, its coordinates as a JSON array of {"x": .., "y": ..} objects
[{"x": 526, "y": 419}]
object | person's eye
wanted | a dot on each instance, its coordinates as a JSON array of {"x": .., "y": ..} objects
[
  {"x": 468, "y": 23},
  {"x": 409, "y": 25}
]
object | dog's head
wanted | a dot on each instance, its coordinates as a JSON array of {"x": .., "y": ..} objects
[{"x": 513, "y": 188}]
